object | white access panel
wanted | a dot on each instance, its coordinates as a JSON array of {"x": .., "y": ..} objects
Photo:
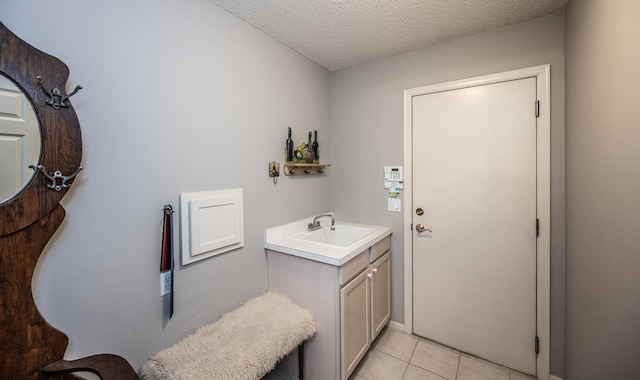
[{"x": 211, "y": 223}]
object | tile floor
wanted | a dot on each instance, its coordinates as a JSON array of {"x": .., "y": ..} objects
[{"x": 399, "y": 356}]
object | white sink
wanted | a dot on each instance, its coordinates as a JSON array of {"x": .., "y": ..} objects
[
  {"x": 343, "y": 236},
  {"x": 330, "y": 247}
]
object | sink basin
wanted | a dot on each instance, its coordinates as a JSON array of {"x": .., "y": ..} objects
[
  {"x": 343, "y": 236},
  {"x": 323, "y": 245}
]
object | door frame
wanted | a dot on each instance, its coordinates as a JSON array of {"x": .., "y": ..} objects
[{"x": 543, "y": 197}]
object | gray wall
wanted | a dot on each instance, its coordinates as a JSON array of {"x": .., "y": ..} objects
[
  {"x": 189, "y": 79},
  {"x": 178, "y": 96},
  {"x": 367, "y": 133},
  {"x": 603, "y": 190}
]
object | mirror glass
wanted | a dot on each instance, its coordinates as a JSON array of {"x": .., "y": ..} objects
[{"x": 19, "y": 139}]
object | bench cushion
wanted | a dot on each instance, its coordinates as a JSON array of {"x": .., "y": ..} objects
[{"x": 244, "y": 344}]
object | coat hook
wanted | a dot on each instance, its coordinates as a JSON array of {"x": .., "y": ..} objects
[
  {"x": 58, "y": 181},
  {"x": 56, "y": 99},
  {"x": 274, "y": 171}
]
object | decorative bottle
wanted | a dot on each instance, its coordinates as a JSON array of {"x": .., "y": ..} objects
[
  {"x": 316, "y": 152},
  {"x": 289, "y": 147},
  {"x": 309, "y": 154}
]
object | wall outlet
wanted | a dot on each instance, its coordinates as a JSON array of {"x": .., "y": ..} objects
[{"x": 165, "y": 283}]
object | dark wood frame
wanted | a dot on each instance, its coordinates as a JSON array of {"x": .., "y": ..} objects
[
  {"x": 29, "y": 219},
  {"x": 59, "y": 129}
]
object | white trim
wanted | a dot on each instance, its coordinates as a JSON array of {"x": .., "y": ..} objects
[
  {"x": 542, "y": 74},
  {"x": 395, "y": 325}
]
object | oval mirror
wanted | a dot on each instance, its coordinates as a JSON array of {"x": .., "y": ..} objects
[{"x": 19, "y": 139}]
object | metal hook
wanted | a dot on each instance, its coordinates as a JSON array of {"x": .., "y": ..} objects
[
  {"x": 58, "y": 181},
  {"x": 168, "y": 209},
  {"x": 56, "y": 99}
]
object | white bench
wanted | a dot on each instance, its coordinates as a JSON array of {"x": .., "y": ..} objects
[{"x": 246, "y": 343}]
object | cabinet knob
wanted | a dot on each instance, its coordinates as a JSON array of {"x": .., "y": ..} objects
[
  {"x": 375, "y": 270},
  {"x": 369, "y": 274}
]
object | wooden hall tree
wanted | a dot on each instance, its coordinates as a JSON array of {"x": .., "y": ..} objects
[{"x": 29, "y": 218}]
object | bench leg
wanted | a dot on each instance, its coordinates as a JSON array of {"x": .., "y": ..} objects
[{"x": 301, "y": 361}]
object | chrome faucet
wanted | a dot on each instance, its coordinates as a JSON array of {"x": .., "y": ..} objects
[{"x": 315, "y": 225}]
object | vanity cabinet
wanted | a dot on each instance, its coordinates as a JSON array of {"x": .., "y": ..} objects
[
  {"x": 365, "y": 308},
  {"x": 355, "y": 321},
  {"x": 380, "y": 294},
  {"x": 351, "y": 305}
]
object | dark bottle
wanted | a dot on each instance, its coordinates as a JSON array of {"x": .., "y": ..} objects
[
  {"x": 309, "y": 154},
  {"x": 316, "y": 153},
  {"x": 289, "y": 147}
]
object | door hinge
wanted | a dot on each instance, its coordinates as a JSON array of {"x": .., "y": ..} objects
[
  {"x": 537, "y": 227},
  {"x": 411, "y": 227},
  {"x": 537, "y": 345},
  {"x": 537, "y": 108}
]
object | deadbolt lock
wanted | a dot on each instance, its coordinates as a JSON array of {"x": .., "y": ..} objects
[{"x": 419, "y": 211}]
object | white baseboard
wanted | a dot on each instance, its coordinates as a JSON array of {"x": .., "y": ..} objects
[
  {"x": 396, "y": 326},
  {"x": 551, "y": 377}
]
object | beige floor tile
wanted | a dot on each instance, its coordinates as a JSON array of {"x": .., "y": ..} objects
[
  {"x": 417, "y": 373},
  {"x": 396, "y": 343},
  {"x": 515, "y": 375},
  {"x": 435, "y": 358},
  {"x": 477, "y": 369},
  {"x": 387, "y": 360},
  {"x": 380, "y": 366}
]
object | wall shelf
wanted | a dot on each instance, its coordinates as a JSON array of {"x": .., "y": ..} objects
[{"x": 304, "y": 169}]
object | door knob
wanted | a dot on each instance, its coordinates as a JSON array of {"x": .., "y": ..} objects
[
  {"x": 421, "y": 228},
  {"x": 419, "y": 211}
]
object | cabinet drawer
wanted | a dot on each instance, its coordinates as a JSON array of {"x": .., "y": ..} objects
[
  {"x": 353, "y": 267},
  {"x": 380, "y": 248}
]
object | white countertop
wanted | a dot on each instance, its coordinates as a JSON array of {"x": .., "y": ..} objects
[{"x": 281, "y": 239}]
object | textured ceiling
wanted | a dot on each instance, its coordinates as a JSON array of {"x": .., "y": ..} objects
[{"x": 342, "y": 33}]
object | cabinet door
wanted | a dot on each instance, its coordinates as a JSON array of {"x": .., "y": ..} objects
[
  {"x": 380, "y": 294},
  {"x": 355, "y": 317}
]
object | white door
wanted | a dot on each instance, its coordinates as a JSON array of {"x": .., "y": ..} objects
[
  {"x": 474, "y": 177},
  {"x": 19, "y": 139}
]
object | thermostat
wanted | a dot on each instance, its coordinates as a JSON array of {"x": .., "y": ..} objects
[{"x": 393, "y": 176}]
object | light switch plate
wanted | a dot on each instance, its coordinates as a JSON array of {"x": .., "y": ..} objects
[{"x": 394, "y": 204}]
